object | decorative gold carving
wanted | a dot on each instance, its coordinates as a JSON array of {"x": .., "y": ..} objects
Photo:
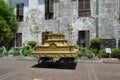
[
  {"x": 53, "y": 45},
  {"x": 56, "y": 46}
]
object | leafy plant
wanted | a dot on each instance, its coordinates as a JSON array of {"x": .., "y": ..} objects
[
  {"x": 116, "y": 52},
  {"x": 32, "y": 43},
  {"x": 1, "y": 54},
  {"x": 26, "y": 51},
  {"x": 95, "y": 58},
  {"x": 5, "y": 54},
  {"x": 15, "y": 51},
  {"x": 85, "y": 52},
  {"x": 1, "y": 50},
  {"x": 103, "y": 53},
  {"x": 77, "y": 46},
  {"x": 95, "y": 43},
  {"x": 94, "y": 50}
]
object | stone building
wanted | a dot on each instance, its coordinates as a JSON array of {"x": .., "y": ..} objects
[{"x": 85, "y": 19}]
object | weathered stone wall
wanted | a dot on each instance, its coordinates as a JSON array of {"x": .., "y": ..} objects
[
  {"x": 108, "y": 18},
  {"x": 66, "y": 13}
]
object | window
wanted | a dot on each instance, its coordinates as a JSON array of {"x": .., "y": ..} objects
[
  {"x": 83, "y": 38},
  {"x": 20, "y": 9},
  {"x": 49, "y": 9},
  {"x": 84, "y": 8},
  {"x": 18, "y": 39}
]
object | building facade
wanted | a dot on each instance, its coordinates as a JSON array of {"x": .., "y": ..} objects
[{"x": 78, "y": 20}]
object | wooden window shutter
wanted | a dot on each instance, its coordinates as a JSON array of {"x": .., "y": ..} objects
[
  {"x": 49, "y": 9},
  {"x": 46, "y": 6},
  {"x": 21, "y": 8},
  {"x": 87, "y": 37},
  {"x": 84, "y": 8},
  {"x": 87, "y": 4},
  {"x": 20, "y": 11},
  {"x": 81, "y": 6},
  {"x": 51, "y": 6}
]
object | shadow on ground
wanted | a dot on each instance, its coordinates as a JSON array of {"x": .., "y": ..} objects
[{"x": 55, "y": 65}]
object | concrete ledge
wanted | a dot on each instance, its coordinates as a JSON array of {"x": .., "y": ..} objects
[
  {"x": 103, "y": 60},
  {"x": 35, "y": 59},
  {"x": 13, "y": 58},
  {"x": 111, "y": 60},
  {"x": 93, "y": 61}
]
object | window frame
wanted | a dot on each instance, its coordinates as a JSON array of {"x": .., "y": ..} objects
[
  {"x": 18, "y": 39},
  {"x": 84, "y": 12},
  {"x": 20, "y": 11},
  {"x": 49, "y": 13}
]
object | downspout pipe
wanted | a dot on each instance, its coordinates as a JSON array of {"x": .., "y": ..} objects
[
  {"x": 97, "y": 18},
  {"x": 59, "y": 18}
]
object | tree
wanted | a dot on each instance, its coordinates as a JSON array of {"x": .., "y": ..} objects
[{"x": 8, "y": 22}]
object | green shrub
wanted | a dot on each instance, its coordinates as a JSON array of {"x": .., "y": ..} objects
[
  {"x": 84, "y": 58},
  {"x": 26, "y": 51},
  {"x": 1, "y": 54},
  {"x": 87, "y": 58},
  {"x": 116, "y": 52},
  {"x": 30, "y": 50},
  {"x": 103, "y": 53},
  {"x": 5, "y": 54},
  {"x": 95, "y": 43},
  {"x": 1, "y": 50},
  {"x": 90, "y": 54},
  {"x": 94, "y": 51},
  {"x": 95, "y": 58},
  {"x": 12, "y": 48},
  {"x": 77, "y": 46},
  {"x": 15, "y": 51},
  {"x": 32, "y": 43},
  {"x": 85, "y": 52},
  {"x": 24, "y": 48}
]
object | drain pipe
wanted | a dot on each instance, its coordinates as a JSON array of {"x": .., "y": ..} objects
[
  {"x": 97, "y": 18},
  {"x": 59, "y": 18},
  {"x": 118, "y": 27}
]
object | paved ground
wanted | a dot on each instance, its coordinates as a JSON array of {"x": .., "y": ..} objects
[{"x": 29, "y": 70}]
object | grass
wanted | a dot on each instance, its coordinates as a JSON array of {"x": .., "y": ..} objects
[
  {"x": 89, "y": 59},
  {"x": 20, "y": 56}
]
